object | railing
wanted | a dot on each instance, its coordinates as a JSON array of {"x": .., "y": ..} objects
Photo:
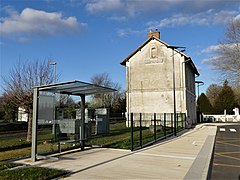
[
  {"x": 148, "y": 128},
  {"x": 221, "y": 118}
]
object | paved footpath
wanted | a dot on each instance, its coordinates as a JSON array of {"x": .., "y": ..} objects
[{"x": 184, "y": 157}]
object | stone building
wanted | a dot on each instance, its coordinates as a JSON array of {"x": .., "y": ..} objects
[{"x": 149, "y": 79}]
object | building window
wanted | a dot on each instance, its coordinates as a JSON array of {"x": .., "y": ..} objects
[{"x": 153, "y": 52}]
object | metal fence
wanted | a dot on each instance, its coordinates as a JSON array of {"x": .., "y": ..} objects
[
  {"x": 221, "y": 118},
  {"x": 145, "y": 129},
  {"x": 148, "y": 128}
]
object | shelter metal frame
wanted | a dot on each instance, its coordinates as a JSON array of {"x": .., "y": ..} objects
[{"x": 77, "y": 88}]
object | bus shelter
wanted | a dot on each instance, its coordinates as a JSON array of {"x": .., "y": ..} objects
[{"x": 48, "y": 114}]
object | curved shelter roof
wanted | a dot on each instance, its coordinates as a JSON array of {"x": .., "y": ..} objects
[{"x": 75, "y": 88}]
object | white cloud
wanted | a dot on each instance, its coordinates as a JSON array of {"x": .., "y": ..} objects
[
  {"x": 237, "y": 17},
  {"x": 23, "y": 39},
  {"x": 186, "y": 12},
  {"x": 207, "y": 18},
  {"x": 135, "y": 7},
  {"x": 118, "y": 18},
  {"x": 103, "y": 5},
  {"x": 128, "y": 7},
  {"x": 214, "y": 52},
  {"x": 211, "y": 49},
  {"x": 204, "y": 18},
  {"x": 36, "y": 22},
  {"x": 224, "y": 17},
  {"x": 207, "y": 60},
  {"x": 216, "y": 48},
  {"x": 123, "y": 32},
  {"x": 9, "y": 10},
  {"x": 200, "y": 68},
  {"x": 127, "y": 31}
]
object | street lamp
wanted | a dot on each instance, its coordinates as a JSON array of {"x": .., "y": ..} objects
[
  {"x": 54, "y": 66},
  {"x": 199, "y": 83},
  {"x": 174, "y": 88},
  {"x": 128, "y": 86},
  {"x": 199, "y": 114},
  {"x": 53, "y": 63}
]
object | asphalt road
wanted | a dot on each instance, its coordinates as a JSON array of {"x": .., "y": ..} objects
[{"x": 226, "y": 162}]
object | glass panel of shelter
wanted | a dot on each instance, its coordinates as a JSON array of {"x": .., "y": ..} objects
[{"x": 58, "y": 123}]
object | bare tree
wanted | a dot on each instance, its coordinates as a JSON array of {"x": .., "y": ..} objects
[
  {"x": 18, "y": 85},
  {"x": 227, "y": 61},
  {"x": 108, "y": 99}
]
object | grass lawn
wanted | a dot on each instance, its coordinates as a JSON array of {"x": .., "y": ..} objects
[
  {"x": 119, "y": 137},
  {"x": 29, "y": 172},
  {"x": 5, "y": 165},
  {"x": 16, "y": 153},
  {"x": 16, "y": 143}
]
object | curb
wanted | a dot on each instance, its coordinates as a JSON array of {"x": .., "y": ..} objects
[
  {"x": 202, "y": 165},
  {"x": 209, "y": 171}
]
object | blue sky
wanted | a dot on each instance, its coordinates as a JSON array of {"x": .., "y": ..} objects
[{"x": 94, "y": 36}]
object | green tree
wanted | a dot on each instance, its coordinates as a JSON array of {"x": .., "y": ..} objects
[
  {"x": 225, "y": 100},
  {"x": 212, "y": 92},
  {"x": 204, "y": 105},
  {"x": 236, "y": 90}
]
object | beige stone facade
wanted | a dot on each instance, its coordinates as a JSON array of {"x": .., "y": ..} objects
[{"x": 149, "y": 79}]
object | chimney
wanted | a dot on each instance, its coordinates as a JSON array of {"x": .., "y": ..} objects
[{"x": 156, "y": 34}]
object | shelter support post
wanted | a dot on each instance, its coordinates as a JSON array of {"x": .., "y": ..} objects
[
  {"x": 82, "y": 135},
  {"x": 34, "y": 124},
  {"x": 174, "y": 96}
]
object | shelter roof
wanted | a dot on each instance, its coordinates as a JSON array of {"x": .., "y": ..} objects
[{"x": 75, "y": 88}]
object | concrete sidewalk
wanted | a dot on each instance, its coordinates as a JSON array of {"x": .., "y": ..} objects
[{"x": 184, "y": 157}]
